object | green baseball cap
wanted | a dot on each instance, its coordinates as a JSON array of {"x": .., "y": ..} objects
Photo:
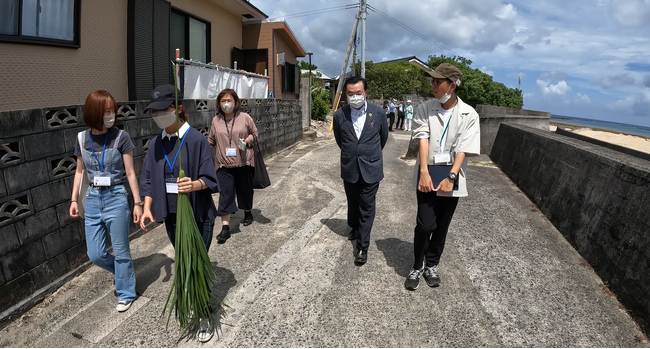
[{"x": 447, "y": 71}]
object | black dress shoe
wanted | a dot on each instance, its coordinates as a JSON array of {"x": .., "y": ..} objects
[
  {"x": 248, "y": 218},
  {"x": 353, "y": 235},
  {"x": 224, "y": 235},
  {"x": 361, "y": 258}
]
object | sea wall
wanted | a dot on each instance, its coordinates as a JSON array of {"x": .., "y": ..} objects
[{"x": 597, "y": 197}]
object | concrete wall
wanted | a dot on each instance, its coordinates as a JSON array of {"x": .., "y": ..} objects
[
  {"x": 226, "y": 27},
  {"x": 39, "y": 242},
  {"x": 305, "y": 102},
  {"x": 491, "y": 117},
  {"x": 597, "y": 198},
  {"x": 39, "y": 76}
]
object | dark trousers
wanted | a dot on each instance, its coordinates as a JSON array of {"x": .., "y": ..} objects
[
  {"x": 206, "y": 227},
  {"x": 434, "y": 216},
  {"x": 391, "y": 116},
  {"x": 400, "y": 122},
  {"x": 361, "y": 209},
  {"x": 235, "y": 182}
]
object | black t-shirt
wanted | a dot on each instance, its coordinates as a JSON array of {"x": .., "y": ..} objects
[{"x": 125, "y": 145}]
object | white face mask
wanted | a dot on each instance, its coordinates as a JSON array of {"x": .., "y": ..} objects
[
  {"x": 446, "y": 97},
  {"x": 356, "y": 101},
  {"x": 164, "y": 119},
  {"x": 109, "y": 120},
  {"x": 228, "y": 107}
]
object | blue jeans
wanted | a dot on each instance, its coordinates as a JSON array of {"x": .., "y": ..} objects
[{"x": 107, "y": 211}]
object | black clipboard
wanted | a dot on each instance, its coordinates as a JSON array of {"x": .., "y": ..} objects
[{"x": 438, "y": 173}]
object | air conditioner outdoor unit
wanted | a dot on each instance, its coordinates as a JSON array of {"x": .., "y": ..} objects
[{"x": 281, "y": 58}]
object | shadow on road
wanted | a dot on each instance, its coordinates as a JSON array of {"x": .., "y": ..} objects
[
  {"x": 225, "y": 280},
  {"x": 398, "y": 254},
  {"x": 148, "y": 270},
  {"x": 337, "y": 225}
]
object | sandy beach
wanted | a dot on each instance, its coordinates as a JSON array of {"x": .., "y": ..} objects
[{"x": 626, "y": 140}]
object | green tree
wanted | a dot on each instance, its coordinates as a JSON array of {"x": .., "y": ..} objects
[
  {"x": 478, "y": 87},
  {"x": 305, "y": 65},
  {"x": 320, "y": 105},
  {"x": 388, "y": 80}
]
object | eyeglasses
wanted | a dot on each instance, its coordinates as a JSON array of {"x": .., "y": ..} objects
[{"x": 437, "y": 82}]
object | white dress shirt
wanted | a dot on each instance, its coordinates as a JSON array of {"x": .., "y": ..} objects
[
  {"x": 181, "y": 131},
  {"x": 358, "y": 118}
]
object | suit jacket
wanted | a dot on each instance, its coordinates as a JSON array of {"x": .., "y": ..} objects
[{"x": 361, "y": 156}]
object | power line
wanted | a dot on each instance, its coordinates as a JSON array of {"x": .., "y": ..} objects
[
  {"x": 317, "y": 12},
  {"x": 422, "y": 36}
]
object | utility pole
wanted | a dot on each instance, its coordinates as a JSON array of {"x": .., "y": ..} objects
[
  {"x": 309, "y": 54},
  {"x": 354, "y": 56},
  {"x": 339, "y": 88},
  {"x": 363, "y": 11}
]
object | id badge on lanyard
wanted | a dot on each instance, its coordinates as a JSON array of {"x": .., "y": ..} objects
[
  {"x": 103, "y": 179},
  {"x": 230, "y": 151},
  {"x": 443, "y": 157},
  {"x": 171, "y": 187}
]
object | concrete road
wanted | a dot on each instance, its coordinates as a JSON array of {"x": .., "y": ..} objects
[{"x": 508, "y": 276}]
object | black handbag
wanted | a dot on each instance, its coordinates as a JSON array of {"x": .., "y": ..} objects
[{"x": 261, "y": 178}]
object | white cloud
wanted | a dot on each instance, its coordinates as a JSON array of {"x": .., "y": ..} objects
[
  {"x": 487, "y": 71},
  {"x": 638, "y": 104},
  {"x": 646, "y": 81},
  {"x": 582, "y": 99},
  {"x": 632, "y": 13},
  {"x": 516, "y": 75},
  {"x": 556, "y": 75},
  {"x": 531, "y": 94},
  {"x": 506, "y": 12},
  {"x": 548, "y": 89},
  {"x": 613, "y": 80}
]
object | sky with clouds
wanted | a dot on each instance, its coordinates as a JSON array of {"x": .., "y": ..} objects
[{"x": 587, "y": 58}]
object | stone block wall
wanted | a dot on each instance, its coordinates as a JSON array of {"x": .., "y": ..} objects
[
  {"x": 39, "y": 242},
  {"x": 595, "y": 196}
]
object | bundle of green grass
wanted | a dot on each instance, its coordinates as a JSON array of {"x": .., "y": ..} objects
[{"x": 189, "y": 299}]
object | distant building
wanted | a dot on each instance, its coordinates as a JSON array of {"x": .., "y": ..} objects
[{"x": 272, "y": 46}]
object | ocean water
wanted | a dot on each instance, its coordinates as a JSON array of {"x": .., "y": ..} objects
[{"x": 605, "y": 125}]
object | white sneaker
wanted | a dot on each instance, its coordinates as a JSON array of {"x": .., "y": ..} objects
[
  {"x": 123, "y": 306},
  {"x": 206, "y": 331}
]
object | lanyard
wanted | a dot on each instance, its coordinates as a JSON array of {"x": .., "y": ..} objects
[
  {"x": 442, "y": 145},
  {"x": 232, "y": 127},
  {"x": 101, "y": 164},
  {"x": 171, "y": 165}
]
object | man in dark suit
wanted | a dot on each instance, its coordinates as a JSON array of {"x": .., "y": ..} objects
[{"x": 361, "y": 131}]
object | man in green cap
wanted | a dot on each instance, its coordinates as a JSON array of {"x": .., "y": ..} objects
[{"x": 449, "y": 132}]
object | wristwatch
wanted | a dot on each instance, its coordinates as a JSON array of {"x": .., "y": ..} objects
[
  {"x": 452, "y": 176},
  {"x": 141, "y": 203}
]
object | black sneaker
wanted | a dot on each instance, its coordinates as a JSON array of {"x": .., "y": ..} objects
[
  {"x": 353, "y": 235},
  {"x": 413, "y": 280},
  {"x": 361, "y": 258},
  {"x": 431, "y": 276},
  {"x": 248, "y": 218},
  {"x": 224, "y": 235}
]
